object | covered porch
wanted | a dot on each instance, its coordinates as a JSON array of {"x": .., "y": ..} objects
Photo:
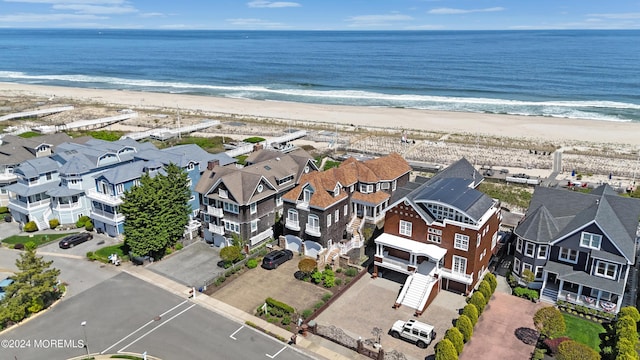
[
  {"x": 370, "y": 207},
  {"x": 407, "y": 256}
]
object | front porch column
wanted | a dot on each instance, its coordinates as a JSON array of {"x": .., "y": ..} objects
[
  {"x": 599, "y": 295},
  {"x": 544, "y": 280},
  {"x": 619, "y": 303},
  {"x": 579, "y": 291},
  {"x": 561, "y": 289}
]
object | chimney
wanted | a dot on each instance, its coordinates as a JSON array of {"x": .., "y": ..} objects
[
  {"x": 212, "y": 163},
  {"x": 257, "y": 147}
]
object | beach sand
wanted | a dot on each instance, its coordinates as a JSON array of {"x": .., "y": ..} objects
[{"x": 541, "y": 129}]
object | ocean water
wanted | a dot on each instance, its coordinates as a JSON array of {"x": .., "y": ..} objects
[{"x": 563, "y": 74}]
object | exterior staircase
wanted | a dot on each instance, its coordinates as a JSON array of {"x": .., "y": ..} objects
[
  {"x": 549, "y": 295},
  {"x": 416, "y": 289},
  {"x": 42, "y": 221}
]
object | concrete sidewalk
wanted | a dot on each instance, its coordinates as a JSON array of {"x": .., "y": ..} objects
[{"x": 327, "y": 350}]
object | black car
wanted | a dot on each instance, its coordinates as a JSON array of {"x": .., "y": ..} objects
[
  {"x": 273, "y": 259},
  {"x": 73, "y": 240}
]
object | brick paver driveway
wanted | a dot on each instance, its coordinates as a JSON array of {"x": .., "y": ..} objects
[{"x": 494, "y": 335}]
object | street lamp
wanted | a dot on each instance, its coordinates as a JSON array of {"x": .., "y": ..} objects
[{"x": 84, "y": 331}]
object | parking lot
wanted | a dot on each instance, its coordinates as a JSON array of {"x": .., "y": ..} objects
[{"x": 369, "y": 303}]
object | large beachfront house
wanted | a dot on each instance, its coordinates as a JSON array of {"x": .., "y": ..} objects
[
  {"x": 89, "y": 180},
  {"x": 247, "y": 201},
  {"x": 327, "y": 209},
  {"x": 581, "y": 247},
  {"x": 441, "y": 232}
]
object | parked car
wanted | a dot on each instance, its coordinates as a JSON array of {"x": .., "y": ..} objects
[
  {"x": 75, "y": 239},
  {"x": 414, "y": 331},
  {"x": 3, "y": 284},
  {"x": 273, "y": 259}
]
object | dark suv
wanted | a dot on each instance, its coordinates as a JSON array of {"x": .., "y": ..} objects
[
  {"x": 273, "y": 259},
  {"x": 73, "y": 240}
]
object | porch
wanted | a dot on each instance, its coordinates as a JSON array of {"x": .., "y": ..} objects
[
  {"x": 408, "y": 256},
  {"x": 370, "y": 207}
]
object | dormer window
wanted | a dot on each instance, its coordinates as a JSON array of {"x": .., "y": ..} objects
[
  {"x": 307, "y": 194},
  {"x": 591, "y": 241},
  {"x": 336, "y": 190},
  {"x": 306, "y": 169},
  {"x": 191, "y": 166},
  {"x": 223, "y": 194},
  {"x": 260, "y": 188}
]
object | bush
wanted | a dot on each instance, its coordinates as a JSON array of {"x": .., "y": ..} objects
[
  {"x": 82, "y": 221},
  {"x": 30, "y": 245},
  {"x": 338, "y": 282},
  {"x": 318, "y": 305},
  {"x": 493, "y": 282},
  {"x": 4, "y": 209},
  {"x": 230, "y": 254},
  {"x": 326, "y": 297},
  {"x": 307, "y": 265},
  {"x": 88, "y": 226},
  {"x": 465, "y": 326},
  {"x": 538, "y": 354},
  {"x": 552, "y": 344},
  {"x": 30, "y": 226},
  {"x": 525, "y": 293},
  {"x": 307, "y": 313},
  {"x": 254, "y": 139},
  {"x": 550, "y": 322},
  {"x": 630, "y": 311},
  {"x": 573, "y": 350},
  {"x": 316, "y": 277},
  {"x": 338, "y": 270},
  {"x": 479, "y": 301},
  {"x": 625, "y": 346},
  {"x": 485, "y": 289},
  {"x": 280, "y": 305},
  {"x": 351, "y": 272},
  {"x": 445, "y": 350},
  {"x": 471, "y": 311},
  {"x": 90, "y": 255},
  {"x": 54, "y": 223},
  {"x": 252, "y": 263},
  {"x": 179, "y": 246},
  {"x": 455, "y": 336},
  {"x": 286, "y": 320},
  {"x": 626, "y": 328}
]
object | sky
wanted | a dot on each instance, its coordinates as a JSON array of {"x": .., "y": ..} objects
[{"x": 322, "y": 14}]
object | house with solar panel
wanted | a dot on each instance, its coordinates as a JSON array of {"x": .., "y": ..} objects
[
  {"x": 440, "y": 233},
  {"x": 580, "y": 247}
]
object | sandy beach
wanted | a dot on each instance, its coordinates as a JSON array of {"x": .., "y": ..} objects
[{"x": 533, "y": 128}]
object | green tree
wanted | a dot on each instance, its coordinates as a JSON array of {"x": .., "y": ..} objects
[
  {"x": 445, "y": 350},
  {"x": 485, "y": 289},
  {"x": 465, "y": 326},
  {"x": 528, "y": 276},
  {"x": 549, "y": 322},
  {"x": 626, "y": 328},
  {"x": 630, "y": 311},
  {"x": 471, "y": 311},
  {"x": 479, "y": 301},
  {"x": 626, "y": 349},
  {"x": 493, "y": 282},
  {"x": 455, "y": 336},
  {"x": 156, "y": 211},
  {"x": 573, "y": 350},
  {"x": 230, "y": 253}
]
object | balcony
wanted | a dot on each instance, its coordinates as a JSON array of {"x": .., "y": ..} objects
[
  {"x": 393, "y": 263},
  {"x": 215, "y": 211},
  {"x": 63, "y": 207},
  {"x": 107, "y": 217},
  {"x": 292, "y": 225},
  {"x": 312, "y": 230},
  {"x": 113, "y": 200},
  {"x": 23, "y": 205},
  {"x": 216, "y": 229},
  {"x": 456, "y": 276}
]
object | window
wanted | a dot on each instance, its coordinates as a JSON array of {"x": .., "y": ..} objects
[
  {"x": 292, "y": 215},
  {"x": 232, "y": 226},
  {"x": 478, "y": 240},
  {"x": 232, "y": 208},
  {"x": 328, "y": 220},
  {"x": 253, "y": 208},
  {"x": 48, "y": 176},
  {"x": 254, "y": 226},
  {"x": 542, "y": 251},
  {"x": 604, "y": 295},
  {"x": 278, "y": 199},
  {"x": 336, "y": 190},
  {"x": 189, "y": 182},
  {"x": 191, "y": 166},
  {"x": 260, "y": 188},
  {"x": 223, "y": 193},
  {"x": 136, "y": 182},
  {"x": 337, "y": 215},
  {"x": 119, "y": 188},
  {"x": 606, "y": 269},
  {"x": 461, "y": 242},
  {"x": 434, "y": 235},
  {"x": 405, "y": 228},
  {"x": 529, "y": 249},
  {"x": 385, "y": 186},
  {"x": 459, "y": 264},
  {"x": 377, "y": 186},
  {"x": 539, "y": 272},
  {"x": 591, "y": 241},
  {"x": 494, "y": 240},
  {"x": 346, "y": 210},
  {"x": 519, "y": 245},
  {"x": 568, "y": 255},
  {"x": 516, "y": 265},
  {"x": 313, "y": 223},
  {"x": 526, "y": 266},
  {"x": 483, "y": 254},
  {"x": 393, "y": 186},
  {"x": 307, "y": 195}
]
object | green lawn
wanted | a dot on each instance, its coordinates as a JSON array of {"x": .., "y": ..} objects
[
  {"x": 102, "y": 254},
  {"x": 583, "y": 331},
  {"x": 39, "y": 239}
]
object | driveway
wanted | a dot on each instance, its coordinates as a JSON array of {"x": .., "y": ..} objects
[
  {"x": 369, "y": 303},
  {"x": 254, "y": 286},
  {"x": 99, "y": 241},
  {"x": 494, "y": 335},
  {"x": 191, "y": 266}
]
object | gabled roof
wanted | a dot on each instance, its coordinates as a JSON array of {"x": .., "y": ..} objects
[
  {"x": 572, "y": 211},
  {"x": 35, "y": 167},
  {"x": 461, "y": 169},
  {"x": 388, "y": 168},
  {"x": 123, "y": 173},
  {"x": 16, "y": 149}
]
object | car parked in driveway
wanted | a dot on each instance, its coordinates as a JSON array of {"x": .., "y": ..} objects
[
  {"x": 75, "y": 239},
  {"x": 273, "y": 259},
  {"x": 414, "y": 331}
]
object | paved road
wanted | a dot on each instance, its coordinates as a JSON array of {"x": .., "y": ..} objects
[{"x": 126, "y": 314}]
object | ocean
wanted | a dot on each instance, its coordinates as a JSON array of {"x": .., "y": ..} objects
[{"x": 565, "y": 74}]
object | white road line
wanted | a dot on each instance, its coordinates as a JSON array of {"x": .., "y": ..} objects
[
  {"x": 141, "y": 327},
  {"x": 155, "y": 328},
  {"x": 231, "y": 336},
  {"x": 278, "y": 353}
]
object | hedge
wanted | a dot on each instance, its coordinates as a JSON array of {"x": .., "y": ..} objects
[
  {"x": 465, "y": 326},
  {"x": 280, "y": 305},
  {"x": 445, "y": 350},
  {"x": 478, "y": 300},
  {"x": 485, "y": 289},
  {"x": 493, "y": 282},
  {"x": 455, "y": 336},
  {"x": 471, "y": 311}
]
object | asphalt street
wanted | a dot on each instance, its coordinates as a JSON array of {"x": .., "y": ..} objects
[{"x": 123, "y": 313}]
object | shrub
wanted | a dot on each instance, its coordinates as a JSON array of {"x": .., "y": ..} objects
[
  {"x": 318, "y": 305},
  {"x": 326, "y": 297},
  {"x": 465, "y": 326},
  {"x": 445, "y": 350},
  {"x": 552, "y": 344},
  {"x": 538, "y": 354},
  {"x": 30, "y": 245},
  {"x": 329, "y": 282},
  {"x": 550, "y": 322},
  {"x": 351, "y": 272},
  {"x": 286, "y": 320},
  {"x": 316, "y": 277},
  {"x": 54, "y": 223},
  {"x": 307, "y": 265},
  {"x": 525, "y": 293},
  {"x": 493, "y": 282},
  {"x": 485, "y": 289},
  {"x": 626, "y": 346},
  {"x": 338, "y": 270},
  {"x": 254, "y": 139},
  {"x": 90, "y": 255},
  {"x": 82, "y": 221},
  {"x": 4, "y": 209},
  {"x": 252, "y": 263},
  {"x": 307, "y": 313},
  {"x": 626, "y": 328},
  {"x": 455, "y": 336},
  {"x": 30, "y": 226},
  {"x": 479, "y": 301},
  {"x": 88, "y": 226},
  {"x": 18, "y": 246},
  {"x": 230, "y": 253},
  {"x": 471, "y": 311},
  {"x": 338, "y": 282},
  {"x": 179, "y": 246},
  {"x": 280, "y": 305},
  {"x": 630, "y": 311},
  {"x": 573, "y": 350}
]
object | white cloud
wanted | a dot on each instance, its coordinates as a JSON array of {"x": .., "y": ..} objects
[
  {"x": 617, "y": 16},
  {"x": 152, "y": 14},
  {"x": 95, "y": 9},
  {"x": 271, "y": 4},
  {"x": 424, "y": 27},
  {"x": 30, "y": 17},
  {"x": 377, "y": 20},
  {"x": 450, "y": 11},
  {"x": 256, "y": 23}
]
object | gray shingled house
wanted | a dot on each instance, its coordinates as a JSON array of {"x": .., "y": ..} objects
[{"x": 581, "y": 247}]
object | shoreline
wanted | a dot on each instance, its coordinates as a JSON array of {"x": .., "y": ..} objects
[{"x": 532, "y": 128}]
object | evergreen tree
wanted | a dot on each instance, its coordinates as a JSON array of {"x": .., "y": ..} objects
[
  {"x": 471, "y": 311},
  {"x": 465, "y": 326},
  {"x": 445, "y": 350},
  {"x": 156, "y": 211},
  {"x": 455, "y": 336}
]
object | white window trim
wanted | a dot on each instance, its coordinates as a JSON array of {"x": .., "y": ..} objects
[
  {"x": 567, "y": 259},
  {"x": 546, "y": 251},
  {"x": 461, "y": 242},
  {"x": 607, "y": 266},
  {"x": 519, "y": 245},
  {"x": 254, "y": 225},
  {"x": 253, "y": 208},
  {"x": 533, "y": 250},
  {"x": 541, "y": 268},
  {"x": 328, "y": 220},
  {"x": 406, "y": 228},
  {"x": 527, "y": 266},
  {"x": 461, "y": 260},
  {"x": 591, "y": 238},
  {"x": 516, "y": 265}
]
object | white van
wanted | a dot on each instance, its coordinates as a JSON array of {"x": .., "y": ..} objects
[{"x": 419, "y": 333}]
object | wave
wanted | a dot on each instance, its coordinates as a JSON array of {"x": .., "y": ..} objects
[{"x": 578, "y": 109}]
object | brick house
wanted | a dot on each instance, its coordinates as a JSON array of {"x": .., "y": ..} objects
[{"x": 441, "y": 232}]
